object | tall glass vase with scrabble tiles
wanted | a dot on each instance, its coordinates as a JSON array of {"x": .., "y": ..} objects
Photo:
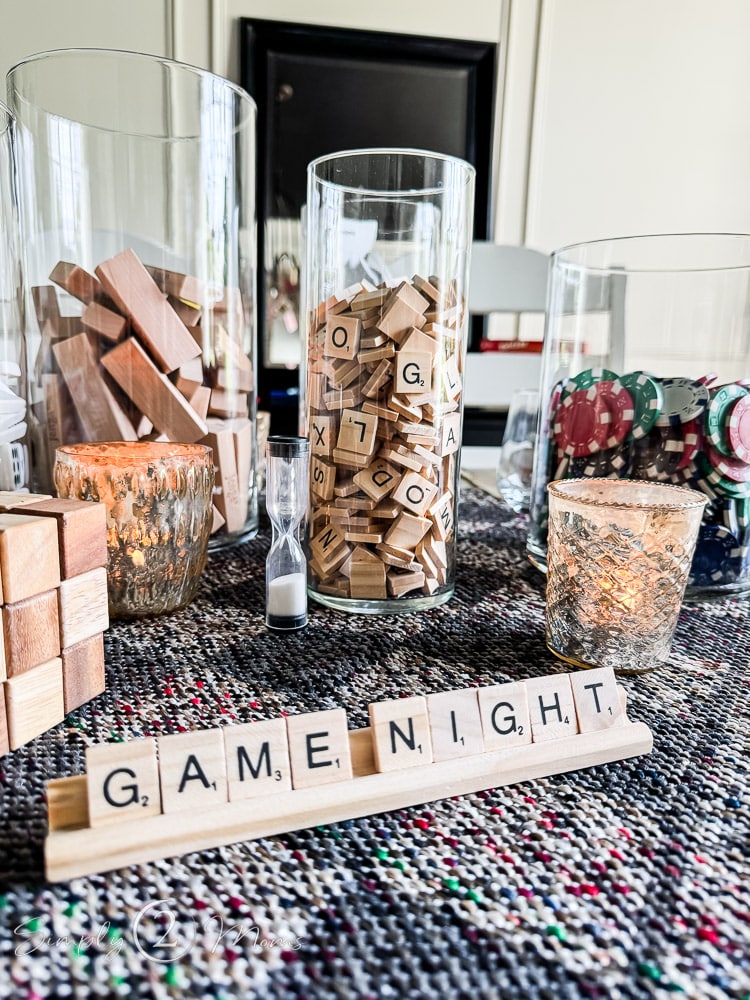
[
  {"x": 138, "y": 213},
  {"x": 388, "y": 244}
]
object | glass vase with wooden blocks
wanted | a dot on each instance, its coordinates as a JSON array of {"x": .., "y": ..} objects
[
  {"x": 138, "y": 214},
  {"x": 388, "y": 243},
  {"x": 644, "y": 377},
  {"x": 618, "y": 561},
  {"x": 159, "y": 514}
]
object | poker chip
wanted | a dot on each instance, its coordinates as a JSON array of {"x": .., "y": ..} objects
[
  {"x": 621, "y": 408},
  {"x": 718, "y": 414},
  {"x": 732, "y": 468},
  {"x": 582, "y": 423},
  {"x": 737, "y": 428},
  {"x": 691, "y": 437},
  {"x": 586, "y": 379},
  {"x": 718, "y": 555},
  {"x": 742, "y": 508},
  {"x": 684, "y": 399},
  {"x": 609, "y": 463},
  {"x": 647, "y": 401},
  {"x": 718, "y": 481}
]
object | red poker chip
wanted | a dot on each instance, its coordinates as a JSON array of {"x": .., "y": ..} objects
[
  {"x": 583, "y": 422},
  {"x": 691, "y": 436},
  {"x": 733, "y": 468},
  {"x": 621, "y": 407},
  {"x": 738, "y": 429}
]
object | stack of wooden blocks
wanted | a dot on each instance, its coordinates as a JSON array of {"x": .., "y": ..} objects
[
  {"x": 53, "y": 592},
  {"x": 154, "y": 355}
]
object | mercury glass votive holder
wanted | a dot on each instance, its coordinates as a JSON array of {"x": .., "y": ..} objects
[
  {"x": 159, "y": 516},
  {"x": 618, "y": 563}
]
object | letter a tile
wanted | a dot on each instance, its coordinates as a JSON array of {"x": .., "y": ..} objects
[
  {"x": 123, "y": 781},
  {"x": 193, "y": 770}
]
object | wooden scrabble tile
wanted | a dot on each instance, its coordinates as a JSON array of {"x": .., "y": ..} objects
[
  {"x": 192, "y": 770},
  {"x": 400, "y": 583},
  {"x": 319, "y": 748},
  {"x": 322, "y": 478},
  {"x": 329, "y": 547},
  {"x": 23, "y": 576},
  {"x": 407, "y": 530},
  {"x": 413, "y": 372},
  {"x": 383, "y": 373},
  {"x": 4, "y": 743},
  {"x": 392, "y": 555},
  {"x": 342, "y": 336},
  {"x": 451, "y": 379},
  {"x": 377, "y": 480},
  {"x": 552, "y": 710},
  {"x": 257, "y": 759},
  {"x": 34, "y": 702},
  {"x": 31, "y": 631},
  {"x": 100, "y": 415},
  {"x": 83, "y": 671},
  {"x": 367, "y": 579},
  {"x": 416, "y": 493},
  {"x": 83, "y": 606},
  {"x": 122, "y": 781},
  {"x": 137, "y": 295},
  {"x": 379, "y": 410},
  {"x": 103, "y": 322},
  {"x": 228, "y": 497},
  {"x": 357, "y": 432},
  {"x": 76, "y": 281},
  {"x": 350, "y": 459},
  {"x": 373, "y": 354},
  {"x": 597, "y": 699},
  {"x": 451, "y": 436},
  {"x": 322, "y": 434},
  {"x": 455, "y": 724},
  {"x": 81, "y": 532},
  {"x": 504, "y": 710},
  {"x": 425, "y": 288},
  {"x": 441, "y": 515},
  {"x": 153, "y": 393},
  {"x": 344, "y": 373},
  {"x": 400, "y": 733},
  {"x": 418, "y": 342}
]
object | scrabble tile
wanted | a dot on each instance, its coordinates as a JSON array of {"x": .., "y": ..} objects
[
  {"x": 504, "y": 710},
  {"x": 416, "y": 493},
  {"x": 357, "y": 432},
  {"x": 122, "y": 781},
  {"x": 342, "y": 336},
  {"x": 551, "y": 707},
  {"x": 4, "y": 744},
  {"x": 34, "y": 702},
  {"x": 322, "y": 434},
  {"x": 597, "y": 699},
  {"x": 193, "y": 770},
  {"x": 257, "y": 759},
  {"x": 83, "y": 671},
  {"x": 400, "y": 733},
  {"x": 377, "y": 480},
  {"x": 22, "y": 576},
  {"x": 81, "y": 533},
  {"x": 451, "y": 436},
  {"x": 451, "y": 379},
  {"x": 83, "y": 606},
  {"x": 31, "y": 630},
  {"x": 413, "y": 371},
  {"x": 455, "y": 724},
  {"x": 319, "y": 748},
  {"x": 407, "y": 530},
  {"x": 322, "y": 478}
]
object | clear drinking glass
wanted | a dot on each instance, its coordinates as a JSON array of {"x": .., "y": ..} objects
[
  {"x": 388, "y": 246},
  {"x": 617, "y": 566},
  {"x": 287, "y": 487},
  {"x": 137, "y": 193},
  {"x": 644, "y": 376},
  {"x": 516, "y": 460}
]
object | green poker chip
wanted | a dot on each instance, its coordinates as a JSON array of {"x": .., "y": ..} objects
[
  {"x": 720, "y": 484},
  {"x": 587, "y": 378},
  {"x": 718, "y": 415},
  {"x": 647, "y": 401}
]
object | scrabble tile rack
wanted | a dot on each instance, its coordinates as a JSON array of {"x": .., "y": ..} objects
[{"x": 73, "y": 848}]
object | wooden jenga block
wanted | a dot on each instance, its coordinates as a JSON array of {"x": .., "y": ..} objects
[
  {"x": 322, "y": 434},
  {"x": 132, "y": 288},
  {"x": 244, "y": 442},
  {"x": 152, "y": 392},
  {"x": 189, "y": 377},
  {"x": 122, "y": 781},
  {"x": 597, "y": 699},
  {"x": 189, "y": 314},
  {"x": 413, "y": 372},
  {"x": 228, "y": 403},
  {"x": 451, "y": 436},
  {"x": 455, "y": 724},
  {"x": 552, "y": 710},
  {"x": 342, "y": 336},
  {"x": 77, "y": 282},
  {"x": 257, "y": 759},
  {"x": 185, "y": 287},
  {"x": 34, "y": 702},
  {"x": 504, "y": 710},
  {"x": 199, "y": 401},
  {"x": 11, "y": 501},
  {"x": 319, "y": 748},
  {"x": 81, "y": 532},
  {"x": 62, "y": 420},
  {"x": 83, "y": 671},
  {"x": 83, "y": 606},
  {"x": 4, "y": 742},
  {"x": 193, "y": 770},
  {"x": 229, "y": 500},
  {"x": 100, "y": 415},
  {"x": 29, "y": 559},
  {"x": 46, "y": 303},
  {"x": 31, "y": 630},
  {"x": 400, "y": 733},
  {"x": 103, "y": 322},
  {"x": 416, "y": 493},
  {"x": 407, "y": 530},
  {"x": 322, "y": 478}
]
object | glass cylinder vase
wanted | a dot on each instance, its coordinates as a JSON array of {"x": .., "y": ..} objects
[
  {"x": 14, "y": 464},
  {"x": 137, "y": 196},
  {"x": 387, "y": 261},
  {"x": 644, "y": 376}
]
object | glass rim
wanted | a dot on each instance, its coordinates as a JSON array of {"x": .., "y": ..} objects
[
  {"x": 691, "y": 499},
  {"x": 426, "y": 154},
  {"x": 186, "y": 69},
  {"x": 126, "y": 453},
  {"x": 563, "y": 256}
]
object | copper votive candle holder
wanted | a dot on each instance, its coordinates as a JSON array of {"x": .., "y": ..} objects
[
  {"x": 159, "y": 515},
  {"x": 618, "y": 564}
]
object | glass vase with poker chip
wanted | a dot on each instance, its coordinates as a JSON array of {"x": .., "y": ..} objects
[{"x": 646, "y": 376}]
